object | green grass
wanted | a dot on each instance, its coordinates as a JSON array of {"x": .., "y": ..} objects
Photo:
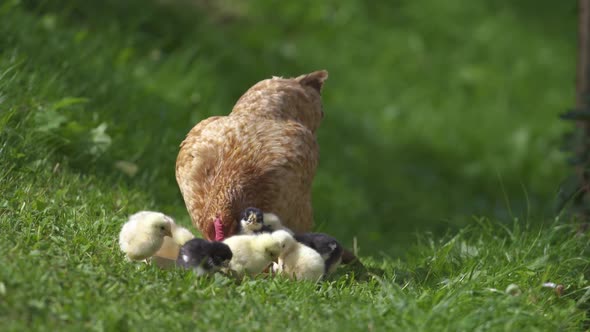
[
  {"x": 61, "y": 269},
  {"x": 435, "y": 112}
]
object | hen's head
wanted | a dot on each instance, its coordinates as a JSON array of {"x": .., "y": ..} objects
[{"x": 296, "y": 99}]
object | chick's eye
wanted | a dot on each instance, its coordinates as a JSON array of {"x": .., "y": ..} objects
[{"x": 162, "y": 227}]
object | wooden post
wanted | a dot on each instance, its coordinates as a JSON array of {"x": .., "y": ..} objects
[
  {"x": 577, "y": 189},
  {"x": 582, "y": 148}
]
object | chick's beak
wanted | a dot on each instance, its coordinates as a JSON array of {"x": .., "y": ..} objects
[{"x": 252, "y": 218}]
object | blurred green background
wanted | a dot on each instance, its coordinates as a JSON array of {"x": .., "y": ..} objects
[{"x": 436, "y": 111}]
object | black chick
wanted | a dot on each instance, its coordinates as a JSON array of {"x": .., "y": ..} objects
[
  {"x": 328, "y": 247},
  {"x": 204, "y": 257},
  {"x": 252, "y": 222}
]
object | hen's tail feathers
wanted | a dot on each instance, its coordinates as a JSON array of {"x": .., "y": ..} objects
[{"x": 315, "y": 80}]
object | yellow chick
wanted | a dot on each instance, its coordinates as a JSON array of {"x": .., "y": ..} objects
[
  {"x": 181, "y": 235},
  {"x": 252, "y": 253},
  {"x": 143, "y": 234},
  {"x": 297, "y": 261},
  {"x": 168, "y": 253},
  {"x": 274, "y": 223}
]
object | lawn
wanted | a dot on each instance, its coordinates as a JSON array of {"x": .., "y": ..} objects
[{"x": 439, "y": 154}]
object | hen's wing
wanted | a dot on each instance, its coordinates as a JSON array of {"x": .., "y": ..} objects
[{"x": 268, "y": 164}]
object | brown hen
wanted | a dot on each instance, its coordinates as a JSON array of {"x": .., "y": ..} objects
[{"x": 263, "y": 154}]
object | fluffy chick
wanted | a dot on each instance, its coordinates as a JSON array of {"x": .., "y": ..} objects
[
  {"x": 180, "y": 234},
  {"x": 252, "y": 253},
  {"x": 263, "y": 154},
  {"x": 142, "y": 236},
  {"x": 253, "y": 221},
  {"x": 297, "y": 261},
  {"x": 328, "y": 247},
  {"x": 273, "y": 223},
  {"x": 171, "y": 245},
  {"x": 204, "y": 257}
]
